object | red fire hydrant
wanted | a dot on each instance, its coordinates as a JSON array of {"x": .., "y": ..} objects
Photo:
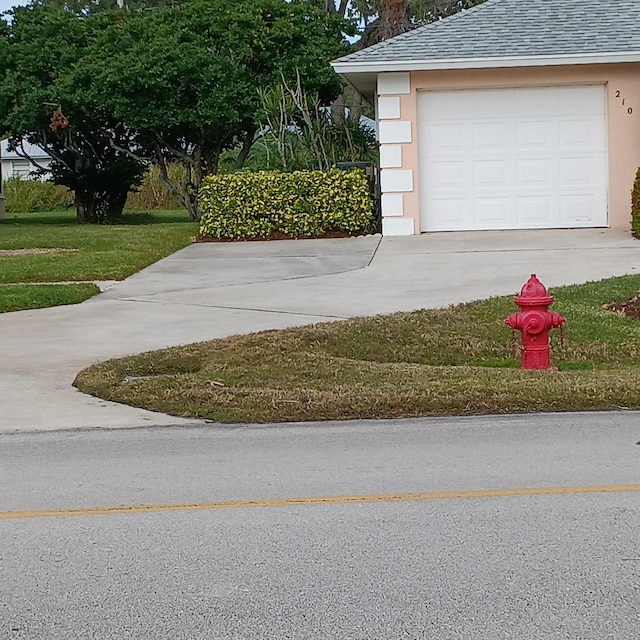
[{"x": 534, "y": 321}]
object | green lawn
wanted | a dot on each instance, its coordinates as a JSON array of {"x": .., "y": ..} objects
[
  {"x": 17, "y": 297},
  {"x": 94, "y": 252},
  {"x": 454, "y": 361}
]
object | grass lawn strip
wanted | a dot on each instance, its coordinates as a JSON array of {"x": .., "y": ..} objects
[
  {"x": 98, "y": 252},
  {"x": 54, "y": 247},
  {"x": 453, "y": 361},
  {"x": 19, "y": 297}
]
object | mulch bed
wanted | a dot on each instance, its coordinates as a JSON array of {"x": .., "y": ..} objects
[
  {"x": 628, "y": 308},
  {"x": 282, "y": 236}
]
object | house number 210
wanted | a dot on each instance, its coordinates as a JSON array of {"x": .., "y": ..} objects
[{"x": 623, "y": 100}]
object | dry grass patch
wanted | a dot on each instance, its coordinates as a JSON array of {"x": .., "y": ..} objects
[
  {"x": 453, "y": 361},
  {"x": 36, "y": 251}
]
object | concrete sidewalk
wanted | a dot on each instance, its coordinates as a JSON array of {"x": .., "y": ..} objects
[{"x": 214, "y": 290}]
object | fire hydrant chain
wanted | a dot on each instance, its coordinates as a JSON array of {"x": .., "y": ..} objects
[{"x": 514, "y": 344}]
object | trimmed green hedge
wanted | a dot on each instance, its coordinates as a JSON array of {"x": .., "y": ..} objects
[
  {"x": 302, "y": 203},
  {"x": 635, "y": 206}
]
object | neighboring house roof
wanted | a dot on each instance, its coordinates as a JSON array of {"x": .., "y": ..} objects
[
  {"x": 32, "y": 150},
  {"x": 510, "y": 33}
]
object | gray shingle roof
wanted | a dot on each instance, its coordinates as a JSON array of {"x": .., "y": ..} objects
[{"x": 516, "y": 28}]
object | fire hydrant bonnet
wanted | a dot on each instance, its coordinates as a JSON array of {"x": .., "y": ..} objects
[{"x": 533, "y": 293}]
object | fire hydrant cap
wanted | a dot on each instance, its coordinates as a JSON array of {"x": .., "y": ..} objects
[{"x": 533, "y": 293}]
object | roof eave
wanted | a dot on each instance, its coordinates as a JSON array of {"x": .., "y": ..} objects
[{"x": 353, "y": 67}]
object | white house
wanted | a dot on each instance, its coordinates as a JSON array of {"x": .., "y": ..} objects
[{"x": 13, "y": 165}]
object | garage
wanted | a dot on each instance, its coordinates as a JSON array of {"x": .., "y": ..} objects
[
  {"x": 507, "y": 115},
  {"x": 515, "y": 158}
]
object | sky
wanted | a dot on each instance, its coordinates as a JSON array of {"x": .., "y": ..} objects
[{"x": 7, "y": 4}]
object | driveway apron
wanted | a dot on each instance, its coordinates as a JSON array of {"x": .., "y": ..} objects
[{"x": 213, "y": 290}]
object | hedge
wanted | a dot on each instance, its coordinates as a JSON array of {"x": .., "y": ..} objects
[
  {"x": 269, "y": 203},
  {"x": 635, "y": 205}
]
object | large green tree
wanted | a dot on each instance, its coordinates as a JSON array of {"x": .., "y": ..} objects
[
  {"x": 186, "y": 79},
  {"x": 108, "y": 91},
  {"x": 40, "y": 104},
  {"x": 91, "y": 7}
]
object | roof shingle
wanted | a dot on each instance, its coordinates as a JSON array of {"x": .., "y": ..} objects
[{"x": 516, "y": 28}]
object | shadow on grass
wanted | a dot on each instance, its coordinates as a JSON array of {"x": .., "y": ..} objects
[
  {"x": 67, "y": 218},
  {"x": 54, "y": 218},
  {"x": 154, "y": 217}
]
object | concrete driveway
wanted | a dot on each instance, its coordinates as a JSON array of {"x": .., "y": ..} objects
[{"x": 214, "y": 290}]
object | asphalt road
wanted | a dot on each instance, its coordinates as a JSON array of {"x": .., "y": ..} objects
[{"x": 552, "y": 552}]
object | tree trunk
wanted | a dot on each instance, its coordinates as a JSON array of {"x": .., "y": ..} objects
[
  {"x": 338, "y": 108},
  {"x": 247, "y": 143},
  {"x": 100, "y": 207}
]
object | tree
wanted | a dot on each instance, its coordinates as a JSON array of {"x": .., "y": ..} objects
[
  {"x": 423, "y": 11},
  {"x": 40, "y": 104},
  {"x": 301, "y": 134},
  {"x": 379, "y": 20},
  {"x": 105, "y": 92},
  {"x": 185, "y": 79},
  {"x": 382, "y": 19},
  {"x": 85, "y": 8}
]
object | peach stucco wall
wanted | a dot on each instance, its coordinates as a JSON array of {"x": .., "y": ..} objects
[{"x": 622, "y": 82}]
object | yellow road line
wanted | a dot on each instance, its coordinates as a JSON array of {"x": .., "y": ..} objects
[{"x": 294, "y": 502}]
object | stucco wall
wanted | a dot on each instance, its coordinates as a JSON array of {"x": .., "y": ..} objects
[{"x": 397, "y": 116}]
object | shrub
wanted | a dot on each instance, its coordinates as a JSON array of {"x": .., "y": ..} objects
[
  {"x": 28, "y": 196},
  {"x": 635, "y": 205},
  {"x": 302, "y": 203},
  {"x": 298, "y": 133},
  {"x": 153, "y": 194}
]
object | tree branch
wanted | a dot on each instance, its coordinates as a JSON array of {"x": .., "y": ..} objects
[
  {"x": 186, "y": 158},
  {"x": 128, "y": 152},
  {"x": 247, "y": 143},
  {"x": 179, "y": 193}
]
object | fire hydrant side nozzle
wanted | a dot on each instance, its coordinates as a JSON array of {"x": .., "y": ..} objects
[{"x": 534, "y": 321}]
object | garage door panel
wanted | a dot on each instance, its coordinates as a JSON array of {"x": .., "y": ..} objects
[
  {"x": 490, "y": 174},
  {"x": 584, "y": 134},
  {"x": 531, "y": 103},
  {"x": 581, "y": 101},
  {"x": 513, "y": 158},
  {"x": 446, "y": 138},
  {"x": 491, "y": 136},
  {"x": 533, "y": 212},
  {"x": 485, "y": 103},
  {"x": 451, "y": 214},
  {"x": 535, "y": 135},
  {"x": 448, "y": 102},
  {"x": 534, "y": 173},
  {"x": 492, "y": 213},
  {"x": 578, "y": 209},
  {"x": 579, "y": 172},
  {"x": 448, "y": 176}
]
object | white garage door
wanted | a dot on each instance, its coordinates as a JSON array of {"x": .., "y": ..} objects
[{"x": 526, "y": 158}]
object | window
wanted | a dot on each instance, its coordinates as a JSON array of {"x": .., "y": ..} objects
[{"x": 20, "y": 168}]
